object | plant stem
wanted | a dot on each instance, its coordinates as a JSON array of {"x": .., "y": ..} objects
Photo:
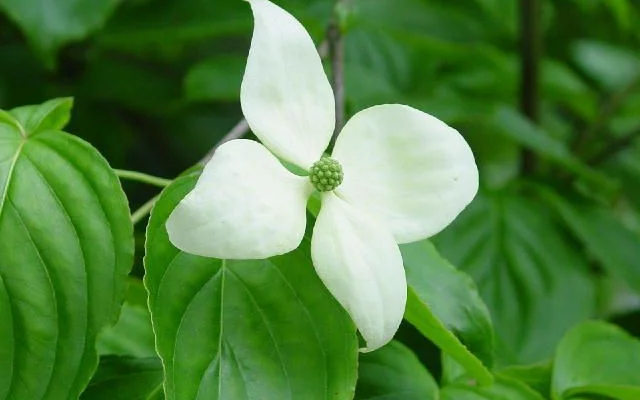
[
  {"x": 336, "y": 53},
  {"x": 143, "y": 210},
  {"x": 142, "y": 177},
  {"x": 530, "y": 46}
]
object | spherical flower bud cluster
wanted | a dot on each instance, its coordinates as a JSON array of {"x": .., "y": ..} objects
[{"x": 326, "y": 174}]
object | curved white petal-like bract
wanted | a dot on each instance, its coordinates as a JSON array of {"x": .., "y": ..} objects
[
  {"x": 285, "y": 95},
  {"x": 407, "y": 167},
  {"x": 359, "y": 262},
  {"x": 245, "y": 205}
]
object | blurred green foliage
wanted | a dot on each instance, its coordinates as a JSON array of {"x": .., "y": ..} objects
[{"x": 156, "y": 84}]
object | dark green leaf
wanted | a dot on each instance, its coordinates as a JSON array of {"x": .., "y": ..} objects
[
  {"x": 49, "y": 25},
  {"x": 165, "y": 26},
  {"x": 215, "y": 79},
  {"x": 125, "y": 378},
  {"x": 524, "y": 269},
  {"x": 133, "y": 334},
  {"x": 229, "y": 329},
  {"x": 65, "y": 253},
  {"x": 560, "y": 84},
  {"x": 512, "y": 125},
  {"x": 615, "y": 247},
  {"x": 394, "y": 373},
  {"x": 597, "y": 358},
  {"x": 445, "y": 306}
]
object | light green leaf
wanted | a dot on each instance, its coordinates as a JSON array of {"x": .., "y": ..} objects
[
  {"x": 615, "y": 247},
  {"x": 393, "y": 372},
  {"x": 611, "y": 66},
  {"x": 561, "y": 84},
  {"x": 503, "y": 389},
  {"x": 125, "y": 378},
  {"x": 65, "y": 251},
  {"x": 597, "y": 358},
  {"x": 445, "y": 306},
  {"x": 622, "y": 11},
  {"x": 215, "y": 79},
  {"x": 51, "y": 115},
  {"x": 133, "y": 334},
  {"x": 523, "y": 268},
  {"x": 50, "y": 24},
  {"x": 229, "y": 329}
]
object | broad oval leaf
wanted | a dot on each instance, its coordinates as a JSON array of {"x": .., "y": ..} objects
[
  {"x": 66, "y": 247},
  {"x": 393, "y": 372},
  {"x": 524, "y": 268},
  {"x": 597, "y": 358},
  {"x": 444, "y": 304},
  {"x": 229, "y": 329},
  {"x": 126, "y": 378}
]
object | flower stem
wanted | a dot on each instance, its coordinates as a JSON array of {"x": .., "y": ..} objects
[
  {"x": 143, "y": 210},
  {"x": 142, "y": 177}
]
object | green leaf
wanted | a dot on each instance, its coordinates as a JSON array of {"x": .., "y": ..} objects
[
  {"x": 444, "y": 305},
  {"x": 611, "y": 66},
  {"x": 167, "y": 27},
  {"x": 66, "y": 250},
  {"x": 536, "y": 376},
  {"x": 561, "y": 84},
  {"x": 615, "y": 247},
  {"x": 394, "y": 373},
  {"x": 215, "y": 79},
  {"x": 524, "y": 269},
  {"x": 230, "y": 329},
  {"x": 511, "y": 125},
  {"x": 503, "y": 389},
  {"x": 51, "y": 115},
  {"x": 133, "y": 334},
  {"x": 125, "y": 378},
  {"x": 49, "y": 25},
  {"x": 597, "y": 358}
]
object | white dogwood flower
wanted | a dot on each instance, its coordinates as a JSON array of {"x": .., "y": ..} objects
[{"x": 396, "y": 175}]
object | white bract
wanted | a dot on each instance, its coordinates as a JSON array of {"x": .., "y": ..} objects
[{"x": 407, "y": 175}]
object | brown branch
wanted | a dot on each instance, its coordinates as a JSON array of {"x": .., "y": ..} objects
[
  {"x": 530, "y": 47},
  {"x": 336, "y": 53}
]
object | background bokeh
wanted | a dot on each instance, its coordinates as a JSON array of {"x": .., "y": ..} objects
[{"x": 554, "y": 236}]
